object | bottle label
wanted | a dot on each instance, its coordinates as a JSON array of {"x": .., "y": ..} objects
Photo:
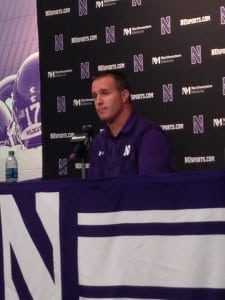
[{"x": 11, "y": 174}]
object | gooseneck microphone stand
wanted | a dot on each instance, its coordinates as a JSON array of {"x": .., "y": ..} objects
[{"x": 82, "y": 143}]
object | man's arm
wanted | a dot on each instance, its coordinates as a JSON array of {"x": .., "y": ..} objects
[{"x": 155, "y": 154}]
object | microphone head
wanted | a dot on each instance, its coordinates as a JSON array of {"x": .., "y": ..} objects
[
  {"x": 88, "y": 129},
  {"x": 79, "y": 138}
]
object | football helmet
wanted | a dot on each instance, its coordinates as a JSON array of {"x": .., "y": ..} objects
[
  {"x": 6, "y": 87},
  {"x": 5, "y": 122},
  {"x": 26, "y": 102}
]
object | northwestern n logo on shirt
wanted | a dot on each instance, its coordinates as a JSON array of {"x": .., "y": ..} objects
[
  {"x": 101, "y": 153},
  {"x": 127, "y": 150}
]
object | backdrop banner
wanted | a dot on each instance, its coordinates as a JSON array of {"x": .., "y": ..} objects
[
  {"x": 173, "y": 53},
  {"x": 130, "y": 238}
]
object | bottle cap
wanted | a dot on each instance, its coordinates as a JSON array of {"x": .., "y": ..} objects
[{"x": 11, "y": 153}]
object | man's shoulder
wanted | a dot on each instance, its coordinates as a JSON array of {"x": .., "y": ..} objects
[
  {"x": 145, "y": 124},
  {"x": 99, "y": 136}
]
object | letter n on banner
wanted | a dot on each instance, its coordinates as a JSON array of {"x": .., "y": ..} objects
[{"x": 18, "y": 244}]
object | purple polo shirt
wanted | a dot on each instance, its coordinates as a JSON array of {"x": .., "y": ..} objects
[{"x": 141, "y": 148}]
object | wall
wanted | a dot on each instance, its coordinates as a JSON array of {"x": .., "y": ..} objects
[{"x": 173, "y": 52}]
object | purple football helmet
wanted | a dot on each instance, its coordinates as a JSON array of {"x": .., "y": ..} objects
[
  {"x": 26, "y": 102},
  {"x": 5, "y": 122},
  {"x": 6, "y": 87}
]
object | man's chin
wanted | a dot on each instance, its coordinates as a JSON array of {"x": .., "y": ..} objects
[{"x": 103, "y": 118}]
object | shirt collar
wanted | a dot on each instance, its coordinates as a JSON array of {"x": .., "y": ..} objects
[{"x": 128, "y": 125}]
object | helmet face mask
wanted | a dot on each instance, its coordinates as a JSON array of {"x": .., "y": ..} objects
[{"x": 26, "y": 103}]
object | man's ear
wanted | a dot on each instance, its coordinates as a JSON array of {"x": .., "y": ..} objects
[{"x": 125, "y": 96}]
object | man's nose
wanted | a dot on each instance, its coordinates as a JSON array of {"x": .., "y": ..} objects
[{"x": 98, "y": 99}]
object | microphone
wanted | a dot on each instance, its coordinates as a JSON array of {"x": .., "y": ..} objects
[
  {"x": 82, "y": 143},
  {"x": 88, "y": 129},
  {"x": 82, "y": 140}
]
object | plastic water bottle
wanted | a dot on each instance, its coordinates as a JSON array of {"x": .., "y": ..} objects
[{"x": 11, "y": 168}]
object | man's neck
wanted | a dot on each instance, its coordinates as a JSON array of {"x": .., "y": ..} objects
[{"x": 116, "y": 126}]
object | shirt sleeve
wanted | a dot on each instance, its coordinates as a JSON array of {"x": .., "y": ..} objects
[{"x": 155, "y": 153}]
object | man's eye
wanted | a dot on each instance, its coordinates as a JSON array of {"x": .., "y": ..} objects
[{"x": 105, "y": 92}]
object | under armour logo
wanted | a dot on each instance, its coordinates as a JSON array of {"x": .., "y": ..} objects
[
  {"x": 100, "y": 153},
  {"x": 127, "y": 150}
]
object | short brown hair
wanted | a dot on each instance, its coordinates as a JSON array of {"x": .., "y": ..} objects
[{"x": 119, "y": 77}]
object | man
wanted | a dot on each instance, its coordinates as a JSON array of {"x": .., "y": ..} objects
[{"x": 130, "y": 144}]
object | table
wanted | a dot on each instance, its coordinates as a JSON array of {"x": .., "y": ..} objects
[{"x": 158, "y": 237}]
